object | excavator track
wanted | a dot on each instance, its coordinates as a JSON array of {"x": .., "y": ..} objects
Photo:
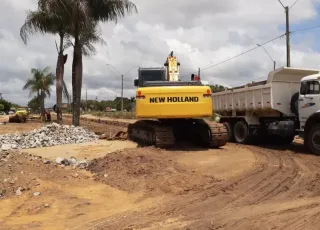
[
  {"x": 166, "y": 134},
  {"x": 218, "y": 134},
  {"x": 149, "y": 132}
]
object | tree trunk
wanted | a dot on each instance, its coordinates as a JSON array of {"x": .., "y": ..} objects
[
  {"x": 42, "y": 105},
  {"x": 76, "y": 82},
  {"x": 59, "y": 76},
  {"x": 73, "y": 86}
]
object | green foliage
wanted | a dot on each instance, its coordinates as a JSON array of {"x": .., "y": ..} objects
[
  {"x": 15, "y": 105},
  {"x": 102, "y": 105},
  {"x": 7, "y": 105},
  {"x": 1, "y": 107},
  {"x": 217, "y": 88},
  {"x": 124, "y": 115},
  {"x": 34, "y": 104},
  {"x": 40, "y": 83}
]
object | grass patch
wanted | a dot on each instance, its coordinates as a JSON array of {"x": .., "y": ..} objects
[{"x": 124, "y": 115}]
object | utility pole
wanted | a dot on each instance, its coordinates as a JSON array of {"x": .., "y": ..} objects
[
  {"x": 122, "y": 93},
  {"x": 199, "y": 73},
  {"x": 287, "y": 36},
  {"x": 286, "y": 8},
  {"x": 86, "y": 99}
]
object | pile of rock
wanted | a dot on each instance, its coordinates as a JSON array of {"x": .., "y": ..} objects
[
  {"x": 83, "y": 164},
  {"x": 49, "y": 135}
]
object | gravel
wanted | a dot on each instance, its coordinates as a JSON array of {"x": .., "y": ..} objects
[{"x": 49, "y": 135}]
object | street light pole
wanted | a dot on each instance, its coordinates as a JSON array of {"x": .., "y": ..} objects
[
  {"x": 274, "y": 62},
  {"x": 121, "y": 75}
]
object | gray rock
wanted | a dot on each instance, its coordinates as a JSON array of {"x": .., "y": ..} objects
[
  {"x": 46, "y": 161},
  {"x": 73, "y": 161},
  {"x": 5, "y": 147},
  {"x": 19, "y": 192},
  {"x": 83, "y": 164},
  {"x": 36, "y": 193},
  {"x": 46, "y": 136},
  {"x": 59, "y": 160}
]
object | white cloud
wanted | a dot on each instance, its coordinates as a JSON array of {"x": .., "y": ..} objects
[{"x": 201, "y": 33}]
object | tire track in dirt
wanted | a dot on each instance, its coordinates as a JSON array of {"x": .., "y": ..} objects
[
  {"x": 279, "y": 191},
  {"x": 279, "y": 177}
]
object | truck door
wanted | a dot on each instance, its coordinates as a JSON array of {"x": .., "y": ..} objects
[{"x": 309, "y": 100}]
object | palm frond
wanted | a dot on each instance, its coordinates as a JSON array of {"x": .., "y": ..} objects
[
  {"x": 111, "y": 10},
  {"x": 65, "y": 92},
  {"x": 89, "y": 35},
  {"x": 39, "y": 22}
]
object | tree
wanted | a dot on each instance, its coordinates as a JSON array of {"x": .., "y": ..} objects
[
  {"x": 217, "y": 88},
  {"x": 7, "y": 105},
  {"x": 89, "y": 35},
  {"x": 83, "y": 16},
  {"x": 34, "y": 104},
  {"x": 1, "y": 107},
  {"x": 50, "y": 19},
  {"x": 40, "y": 84}
]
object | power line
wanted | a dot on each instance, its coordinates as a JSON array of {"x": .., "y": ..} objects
[
  {"x": 309, "y": 28},
  {"x": 247, "y": 51},
  {"x": 256, "y": 47},
  {"x": 281, "y": 3},
  {"x": 293, "y": 4}
]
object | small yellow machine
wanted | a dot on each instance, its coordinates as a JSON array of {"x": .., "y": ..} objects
[
  {"x": 171, "y": 110},
  {"x": 20, "y": 116}
]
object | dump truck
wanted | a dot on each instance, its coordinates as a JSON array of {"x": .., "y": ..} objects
[
  {"x": 170, "y": 110},
  {"x": 276, "y": 110}
]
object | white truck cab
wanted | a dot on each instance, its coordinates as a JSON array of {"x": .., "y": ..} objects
[{"x": 309, "y": 110}]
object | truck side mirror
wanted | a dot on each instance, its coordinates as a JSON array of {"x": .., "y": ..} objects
[{"x": 136, "y": 82}]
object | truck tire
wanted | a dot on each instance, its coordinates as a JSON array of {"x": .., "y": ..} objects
[
  {"x": 241, "y": 132},
  {"x": 294, "y": 106},
  {"x": 230, "y": 131},
  {"x": 313, "y": 140}
]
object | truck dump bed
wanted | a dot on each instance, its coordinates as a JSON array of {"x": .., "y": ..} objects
[{"x": 273, "y": 94}]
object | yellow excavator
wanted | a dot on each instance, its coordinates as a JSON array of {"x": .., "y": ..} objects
[{"x": 170, "y": 110}]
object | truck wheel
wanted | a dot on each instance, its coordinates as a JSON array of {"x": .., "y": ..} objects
[
  {"x": 313, "y": 140},
  {"x": 230, "y": 131},
  {"x": 241, "y": 132}
]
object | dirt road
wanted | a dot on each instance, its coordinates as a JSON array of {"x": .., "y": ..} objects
[{"x": 235, "y": 187}]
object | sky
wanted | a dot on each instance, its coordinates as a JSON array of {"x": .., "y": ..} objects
[{"x": 201, "y": 34}]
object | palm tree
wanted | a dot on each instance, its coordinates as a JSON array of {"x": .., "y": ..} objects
[
  {"x": 81, "y": 14},
  {"x": 89, "y": 35},
  {"x": 50, "y": 20},
  {"x": 40, "y": 84}
]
